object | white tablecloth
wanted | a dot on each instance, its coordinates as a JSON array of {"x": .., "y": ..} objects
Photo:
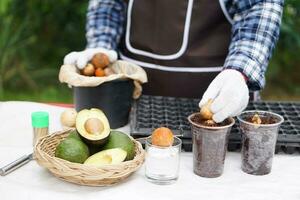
[{"x": 34, "y": 182}]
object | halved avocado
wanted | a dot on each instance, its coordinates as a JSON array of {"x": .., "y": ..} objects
[
  {"x": 92, "y": 126},
  {"x": 106, "y": 157},
  {"x": 118, "y": 139}
]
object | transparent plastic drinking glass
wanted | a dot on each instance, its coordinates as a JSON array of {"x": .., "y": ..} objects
[
  {"x": 258, "y": 141},
  {"x": 209, "y": 147},
  {"x": 162, "y": 163}
]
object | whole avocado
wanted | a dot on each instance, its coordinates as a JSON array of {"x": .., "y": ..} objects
[
  {"x": 73, "y": 150},
  {"x": 118, "y": 139},
  {"x": 74, "y": 135},
  {"x": 92, "y": 148}
]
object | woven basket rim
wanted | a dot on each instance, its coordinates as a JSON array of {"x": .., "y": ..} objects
[{"x": 83, "y": 174}]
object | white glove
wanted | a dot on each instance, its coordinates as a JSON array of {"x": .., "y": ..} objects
[
  {"x": 229, "y": 93},
  {"x": 81, "y": 58}
]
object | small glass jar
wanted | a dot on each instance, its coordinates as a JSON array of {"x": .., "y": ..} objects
[
  {"x": 40, "y": 124},
  {"x": 162, "y": 163}
]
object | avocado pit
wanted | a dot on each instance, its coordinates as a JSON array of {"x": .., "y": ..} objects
[
  {"x": 94, "y": 126},
  {"x": 205, "y": 111}
]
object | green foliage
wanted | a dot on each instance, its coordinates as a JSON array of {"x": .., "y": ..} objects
[
  {"x": 35, "y": 35},
  {"x": 284, "y": 70}
]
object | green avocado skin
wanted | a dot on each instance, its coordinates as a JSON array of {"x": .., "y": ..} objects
[
  {"x": 93, "y": 143},
  {"x": 118, "y": 139},
  {"x": 73, "y": 150},
  {"x": 74, "y": 134},
  {"x": 93, "y": 148}
]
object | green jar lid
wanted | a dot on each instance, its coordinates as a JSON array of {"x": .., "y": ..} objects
[{"x": 40, "y": 119}]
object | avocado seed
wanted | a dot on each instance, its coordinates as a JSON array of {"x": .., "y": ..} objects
[
  {"x": 99, "y": 72},
  {"x": 209, "y": 122},
  {"x": 94, "y": 126},
  {"x": 205, "y": 111},
  {"x": 68, "y": 117},
  {"x": 162, "y": 137},
  {"x": 100, "y": 60},
  {"x": 108, "y": 71},
  {"x": 256, "y": 119},
  {"x": 88, "y": 70}
]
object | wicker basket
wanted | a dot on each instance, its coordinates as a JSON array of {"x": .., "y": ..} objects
[{"x": 82, "y": 174}]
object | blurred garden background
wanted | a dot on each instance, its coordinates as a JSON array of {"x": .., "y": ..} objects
[{"x": 35, "y": 35}]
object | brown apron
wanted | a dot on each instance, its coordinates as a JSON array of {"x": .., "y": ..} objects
[{"x": 181, "y": 44}]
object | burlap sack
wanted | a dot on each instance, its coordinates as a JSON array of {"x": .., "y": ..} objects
[{"x": 69, "y": 74}]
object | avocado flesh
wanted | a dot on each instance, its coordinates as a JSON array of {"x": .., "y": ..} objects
[
  {"x": 73, "y": 150},
  {"x": 107, "y": 157},
  {"x": 97, "y": 138},
  {"x": 117, "y": 139}
]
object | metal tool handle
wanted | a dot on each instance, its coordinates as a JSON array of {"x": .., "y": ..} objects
[{"x": 15, "y": 164}]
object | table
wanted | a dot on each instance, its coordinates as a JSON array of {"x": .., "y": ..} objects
[{"x": 34, "y": 182}]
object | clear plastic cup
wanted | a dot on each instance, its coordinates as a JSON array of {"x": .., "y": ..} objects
[
  {"x": 162, "y": 163},
  {"x": 258, "y": 141},
  {"x": 209, "y": 147}
]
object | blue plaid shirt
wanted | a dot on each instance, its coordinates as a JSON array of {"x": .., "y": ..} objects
[{"x": 255, "y": 30}]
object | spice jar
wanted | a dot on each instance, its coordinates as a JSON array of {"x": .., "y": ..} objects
[{"x": 40, "y": 124}]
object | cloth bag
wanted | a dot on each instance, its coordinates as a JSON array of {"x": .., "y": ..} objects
[{"x": 123, "y": 70}]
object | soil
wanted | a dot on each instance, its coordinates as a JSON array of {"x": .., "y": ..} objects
[
  {"x": 210, "y": 123},
  {"x": 264, "y": 119}
]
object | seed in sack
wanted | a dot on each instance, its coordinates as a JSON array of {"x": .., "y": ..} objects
[
  {"x": 108, "y": 71},
  {"x": 99, "y": 72},
  {"x": 162, "y": 137},
  {"x": 100, "y": 60},
  {"x": 88, "y": 70}
]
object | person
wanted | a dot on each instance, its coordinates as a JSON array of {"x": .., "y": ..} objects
[{"x": 189, "y": 48}]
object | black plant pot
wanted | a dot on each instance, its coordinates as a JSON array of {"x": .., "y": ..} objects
[{"x": 114, "y": 98}]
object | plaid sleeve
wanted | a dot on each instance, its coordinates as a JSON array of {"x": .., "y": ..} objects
[
  {"x": 105, "y": 23},
  {"x": 256, "y": 25}
]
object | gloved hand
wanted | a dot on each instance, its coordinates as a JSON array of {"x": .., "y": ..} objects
[
  {"x": 229, "y": 93},
  {"x": 81, "y": 58}
]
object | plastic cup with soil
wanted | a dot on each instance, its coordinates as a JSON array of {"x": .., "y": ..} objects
[
  {"x": 259, "y": 136},
  {"x": 210, "y": 142}
]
